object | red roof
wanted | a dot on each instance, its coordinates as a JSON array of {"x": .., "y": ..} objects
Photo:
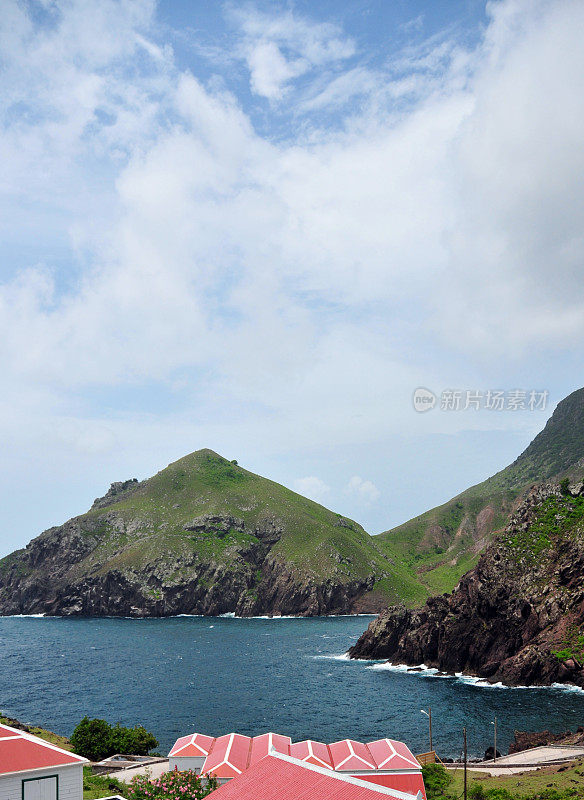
[
  {"x": 229, "y": 756},
  {"x": 409, "y": 782},
  {"x": 312, "y": 752},
  {"x": 389, "y": 754},
  {"x": 349, "y": 755},
  {"x": 232, "y": 754},
  {"x": 281, "y": 777},
  {"x": 196, "y": 744},
  {"x": 20, "y": 751},
  {"x": 261, "y": 746}
]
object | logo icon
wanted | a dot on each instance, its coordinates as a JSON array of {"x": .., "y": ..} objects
[{"x": 423, "y": 399}]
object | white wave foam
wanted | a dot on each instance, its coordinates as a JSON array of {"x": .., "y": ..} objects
[
  {"x": 29, "y": 616},
  {"x": 567, "y": 687},
  {"x": 421, "y": 669},
  {"x": 334, "y": 656},
  {"x": 471, "y": 680}
]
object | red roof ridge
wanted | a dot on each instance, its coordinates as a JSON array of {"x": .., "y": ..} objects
[
  {"x": 251, "y": 739},
  {"x": 390, "y": 743},
  {"x": 352, "y": 754},
  {"x": 21, "y": 751},
  {"x": 37, "y": 740}
]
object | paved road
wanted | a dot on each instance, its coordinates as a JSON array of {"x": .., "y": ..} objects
[
  {"x": 154, "y": 770},
  {"x": 528, "y": 760}
]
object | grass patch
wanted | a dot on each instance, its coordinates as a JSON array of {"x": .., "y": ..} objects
[
  {"x": 42, "y": 733},
  {"x": 95, "y": 786},
  {"x": 555, "y": 517},
  {"x": 572, "y": 646},
  {"x": 537, "y": 783}
]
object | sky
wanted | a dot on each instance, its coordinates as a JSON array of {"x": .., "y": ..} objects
[{"x": 260, "y": 227}]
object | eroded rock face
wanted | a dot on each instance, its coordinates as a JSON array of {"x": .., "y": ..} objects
[
  {"x": 55, "y": 575},
  {"x": 113, "y": 494},
  {"x": 523, "y": 602},
  {"x": 525, "y": 740}
]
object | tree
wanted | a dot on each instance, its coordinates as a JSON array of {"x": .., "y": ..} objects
[
  {"x": 92, "y": 739},
  {"x": 96, "y": 739},
  {"x": 137, "y": 741}
]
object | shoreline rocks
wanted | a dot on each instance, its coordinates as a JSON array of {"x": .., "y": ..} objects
[{"x": 508, "y": 617}]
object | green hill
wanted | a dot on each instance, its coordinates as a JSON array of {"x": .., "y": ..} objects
[
  {"x": 439, "y": 546},
  {"x": 203, "y": 536}
]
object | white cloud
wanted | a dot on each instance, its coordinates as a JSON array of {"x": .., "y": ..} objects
[
  {"x": 313, "y": 488},
  {"x": 297, "y": 291},
  {"x": 365, "y": 491},
  {"x": 281, "y": 46},
  {"x": 221, "y": 235},
  {"x": 270, "y": 71}
]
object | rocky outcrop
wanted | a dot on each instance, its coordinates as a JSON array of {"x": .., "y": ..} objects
[
  {"x": 204, "y": 536},
  {"x": 525, "y": 740},
  {"x": 114, "y": 493},
  {"x": 254, "y": 582},
  {"x": 517, "y": 617}
]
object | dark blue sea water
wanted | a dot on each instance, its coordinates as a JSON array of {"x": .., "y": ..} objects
[{"x": 216, "y": 675}]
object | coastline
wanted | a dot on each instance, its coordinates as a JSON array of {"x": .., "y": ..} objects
[{"x": 472, "y": 680}]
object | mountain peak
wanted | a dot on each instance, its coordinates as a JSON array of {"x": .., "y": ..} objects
[
  {"x": 440, "y": 545},
  {"x": 559, "y": 446}
]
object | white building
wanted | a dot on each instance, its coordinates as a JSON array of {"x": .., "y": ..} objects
[{"x": 32, "y": 769}]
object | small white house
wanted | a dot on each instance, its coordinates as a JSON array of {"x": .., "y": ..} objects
[
  {"x": 190, "y": 752},
  {"x": 32, "y": 769}
]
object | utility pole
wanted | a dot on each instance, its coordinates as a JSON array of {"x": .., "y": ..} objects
[
  {"x": 428, "y": 713},
  {"x": 495, "y": 753},
  {"x": 465, "y": 756},
  {"x": 430, "y": 721}
]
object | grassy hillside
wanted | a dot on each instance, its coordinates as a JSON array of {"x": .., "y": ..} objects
[
  {"x": 545, "y": 783},
  {"x": 158, "y": 510},
  {"x": 205, "y": 527},
  {"x": 42, "y": 733},
  {"x": 439, "y": 546}
]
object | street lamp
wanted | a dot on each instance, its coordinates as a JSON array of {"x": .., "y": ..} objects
[
  {"x": 428, "y": 713},
  {"x": 495, "y": 753}
]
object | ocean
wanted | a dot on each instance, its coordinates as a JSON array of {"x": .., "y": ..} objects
[{"x": 216, "y": 675}]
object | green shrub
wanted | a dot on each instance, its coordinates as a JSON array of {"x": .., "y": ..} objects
[
  {"x": 92, "y": 739},
  {"x": 436, "y": 780},
  {"x": 137, "y": 741},
  {"x": 96, "y": 739}
]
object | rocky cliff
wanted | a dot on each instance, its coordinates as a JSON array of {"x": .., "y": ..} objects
[
  {"x": 203, "y": 536},
  {"x": 517, "y": 617},
  {"x": 439, "y": 546}
]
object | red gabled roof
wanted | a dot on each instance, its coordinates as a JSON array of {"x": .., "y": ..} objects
[
  {"x": 312, "y": 753},
  {"x": 232, "y": 754},
  {"x": 20, "y": 751},
  {"x": 281, "y": 777},
  {"x": 349, "y": 755},
  {"x": 261, "y": 746},
  {"x": 196, "y": 744},
  {"x": 390, "y": 754},
  {"x": 228, "y": 757}
]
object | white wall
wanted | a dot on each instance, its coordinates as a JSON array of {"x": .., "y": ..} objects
[
  {"x": 193, "y": 762},
  {"x": 70, "y": 782}
]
